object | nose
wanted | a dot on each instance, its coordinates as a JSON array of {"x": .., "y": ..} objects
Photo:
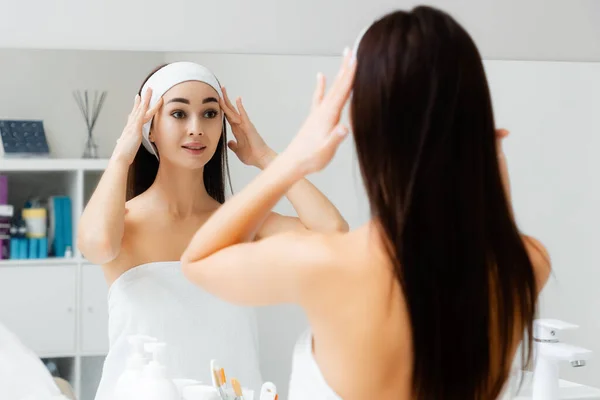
[{"x": 195, "y": 127}]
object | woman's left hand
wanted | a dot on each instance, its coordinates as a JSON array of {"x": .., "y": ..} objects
[{"x": 248, "y": 145}]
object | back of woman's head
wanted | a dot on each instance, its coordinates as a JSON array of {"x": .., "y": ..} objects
[
  {"x": 425, "y": 137},
  {"x": 144, "y": 168}
]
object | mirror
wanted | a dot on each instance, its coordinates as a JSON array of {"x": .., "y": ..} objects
[{"x": 57, "y": 306}]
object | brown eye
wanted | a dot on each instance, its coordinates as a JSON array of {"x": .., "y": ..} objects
[{"x": 211, "y": 114}]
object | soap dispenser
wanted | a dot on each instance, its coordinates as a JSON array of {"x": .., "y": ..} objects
[
  {"x": 128, "y": 380},
  {"x": 548, "y": 352},
  {"x": 155, "y": 384}
]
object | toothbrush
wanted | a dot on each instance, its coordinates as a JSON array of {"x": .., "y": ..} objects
[
  {"x": 214, "y": 374},
  {"x": 219, "y": 387},
  {"x": 213, "y": 367},
  {"x": 223, "y": 379},
  {"x": 237, "y": 389}
]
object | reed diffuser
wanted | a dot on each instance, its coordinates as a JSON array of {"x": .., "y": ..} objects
[{"x": 90, "y": 109}]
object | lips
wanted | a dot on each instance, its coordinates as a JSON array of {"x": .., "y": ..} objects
[{"x": 195, "y": 147}]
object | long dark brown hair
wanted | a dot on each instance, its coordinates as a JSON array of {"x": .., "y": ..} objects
[
  {"x": 144, "y": 168},
  {"x": 425, "y": 138}
]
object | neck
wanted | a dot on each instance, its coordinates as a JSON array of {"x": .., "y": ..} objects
[{"x": 180, "y": 190}]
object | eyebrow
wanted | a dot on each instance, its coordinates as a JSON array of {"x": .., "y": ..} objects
[
  {"x": 210, "y": 100},
  {"x": 186, "y": 101}
]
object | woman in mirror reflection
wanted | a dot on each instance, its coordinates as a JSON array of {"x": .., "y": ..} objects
[
  {"x": 431, "y": 298},
  {"x": 149, "y": 203}
]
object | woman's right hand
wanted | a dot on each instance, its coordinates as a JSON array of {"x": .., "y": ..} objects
[{"x": 131, "y": 138}]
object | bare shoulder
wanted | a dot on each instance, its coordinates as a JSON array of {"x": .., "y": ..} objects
[
  {"x": 540, "y": 259},
  {"x": 133, "y": 221},
  {"x": 132, "y": 213},
  {"x": 352, "y": 266}
]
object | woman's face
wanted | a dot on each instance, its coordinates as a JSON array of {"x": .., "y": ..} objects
[{"x": 188, "y": 127}]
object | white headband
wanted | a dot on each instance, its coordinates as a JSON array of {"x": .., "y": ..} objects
[{"x": 167, "y": 77}]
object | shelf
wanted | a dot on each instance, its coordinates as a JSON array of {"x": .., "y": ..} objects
[
  {"x": 94, "y": 354},
  {"x": 40, "y": 262},
  {"x": 68, "y": 295},
  {"x": 49, "y": 355},
  {"x": 52, "y": 164}
]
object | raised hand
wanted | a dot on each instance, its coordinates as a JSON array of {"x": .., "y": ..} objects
[
  {"x": 248, "y": 145},
  {"x": 131, "y": 137}
]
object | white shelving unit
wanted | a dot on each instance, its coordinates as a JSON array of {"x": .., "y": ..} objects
[{"x": 57, "y": 306}]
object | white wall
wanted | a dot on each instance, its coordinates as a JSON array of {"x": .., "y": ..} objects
[
  {"x": 552, "y": 110},
  {"x": 38, "y": 84},
  {"x": 503, "y": 29}
]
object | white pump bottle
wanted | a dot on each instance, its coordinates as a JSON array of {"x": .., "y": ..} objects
[
  {"x": 130, "y": 378},
  {"x": 155, "y": 384}
]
